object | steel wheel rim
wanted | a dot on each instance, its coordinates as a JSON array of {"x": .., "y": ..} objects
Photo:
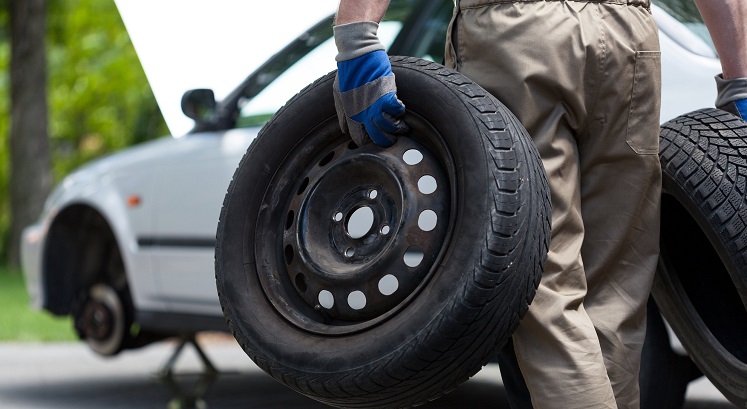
[{"x": 319, "y": 271}]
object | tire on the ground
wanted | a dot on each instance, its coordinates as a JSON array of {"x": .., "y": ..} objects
[
  {"x": 701, "y": 283},
  {"x": 473, "y": 296}
]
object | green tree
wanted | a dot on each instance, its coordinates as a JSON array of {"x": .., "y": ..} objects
[
  {"x": 98, "y": 96},
  {"x": 30, "y": 175}
]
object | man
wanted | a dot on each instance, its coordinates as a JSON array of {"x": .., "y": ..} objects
[{"x": 584, "y": 78}]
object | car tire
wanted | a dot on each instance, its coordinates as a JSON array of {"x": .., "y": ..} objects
[
  {"x": 700, "y": 286},
  {"x": 665, "y": 374},
  {"x": 477, "y": 276}
]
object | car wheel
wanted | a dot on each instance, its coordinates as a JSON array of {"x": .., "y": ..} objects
[
  {"x": 700, "y": 285},
  {"x": 372, "y": 277},
  {"x": 103, "y": 312},
  {"x": 102, "y": 320}
]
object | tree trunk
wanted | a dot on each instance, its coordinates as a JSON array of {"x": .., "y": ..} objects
[{"x": 30, "y": 169}]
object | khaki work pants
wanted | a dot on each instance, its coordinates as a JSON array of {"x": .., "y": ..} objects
[{"x": 584, "y": 78}]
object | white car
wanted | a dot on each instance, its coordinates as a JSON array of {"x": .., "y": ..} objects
[{"x": 126, "y": 243}]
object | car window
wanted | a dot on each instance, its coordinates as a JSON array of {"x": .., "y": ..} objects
[
  {"x": 319, "y": 61},
  {"x": 695, "y": 38},
  {"x": 424, "y": 34}
]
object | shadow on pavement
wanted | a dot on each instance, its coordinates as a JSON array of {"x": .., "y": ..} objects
[
  {"x": 68, "y": 376},
  {"x": 255, "y": 390},
  {"x": 231, "y": 390}
]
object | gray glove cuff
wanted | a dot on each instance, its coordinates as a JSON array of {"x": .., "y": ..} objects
[
  {"x": 730, "y": 90},
  {"x": 356, "y": 39}
]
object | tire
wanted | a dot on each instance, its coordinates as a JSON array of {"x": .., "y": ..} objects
[
  {"x": 278, "y": 244},
  {"x": 664, "y": 374},
  {"x": 700, "y": 285}
]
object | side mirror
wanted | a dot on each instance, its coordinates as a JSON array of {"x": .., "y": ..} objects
[{"x": 199, "y": 104}]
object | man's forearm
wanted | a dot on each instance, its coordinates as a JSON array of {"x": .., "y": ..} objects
[
  {"x": 727, "y": 23},
  {"x": 351, "y": 11}
]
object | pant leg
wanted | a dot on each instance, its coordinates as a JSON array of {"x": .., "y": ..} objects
[
  {"x": 552, "y": 81},
  {"x": 620, "y": 194}
]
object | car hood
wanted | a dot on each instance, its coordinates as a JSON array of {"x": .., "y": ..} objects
[{"x": 186, "y": 44}]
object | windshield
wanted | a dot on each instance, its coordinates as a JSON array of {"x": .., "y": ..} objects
[
  {"x": 403, "y": 31},
  {"x": 319, "y": 61}
]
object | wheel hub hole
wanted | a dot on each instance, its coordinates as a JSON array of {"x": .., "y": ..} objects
[
  {"x": 388, "y": 284},
  {"x": 357, "y": 300},
  {"x": 412, "y": 157},
  {"x": 360, "y": 222},
  {"x": 427, "y": 184},
  {"x": 427, "y": 220},
  {"x": 301, "y": 282},
  {"x": 326, "y": 299},
  {"x": 413, "y": 256},
  {"x": 289, "y": 253}
]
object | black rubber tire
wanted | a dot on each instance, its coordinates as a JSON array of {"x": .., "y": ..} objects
[
  {"x": 701, "y": 283},
  {"x": 473, "y": 297},
  {"x": 664, "y": 374}
]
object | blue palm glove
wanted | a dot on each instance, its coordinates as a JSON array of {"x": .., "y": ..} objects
[
  {"x": 741, "y": 106},
  {"x": 732, "y": 95},
  {"x": 364, "y": 89}
]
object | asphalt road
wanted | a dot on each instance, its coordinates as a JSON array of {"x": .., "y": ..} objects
[{"x": 68, "y": 376}]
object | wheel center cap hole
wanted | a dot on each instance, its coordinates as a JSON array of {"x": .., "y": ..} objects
[{"x": 360, "y": 222}]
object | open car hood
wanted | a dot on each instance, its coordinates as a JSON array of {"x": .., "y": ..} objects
[{"x": 186, "y": 44}]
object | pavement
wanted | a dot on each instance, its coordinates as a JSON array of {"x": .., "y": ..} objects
[{"x": 69, "y": 376}]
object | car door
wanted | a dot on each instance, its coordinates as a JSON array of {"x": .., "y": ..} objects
[{"x": 190, "y": 185}]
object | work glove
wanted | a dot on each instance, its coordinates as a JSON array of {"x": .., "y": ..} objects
[
  {"x": 364, "y": 89},
  {"x": 732, "y": 95}
]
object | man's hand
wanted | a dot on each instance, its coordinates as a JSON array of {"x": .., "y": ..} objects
[
  {"x": 364, "y": 90},
  {"x": 732, "y": 95}
]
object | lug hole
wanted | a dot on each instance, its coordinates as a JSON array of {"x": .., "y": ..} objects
[
  {"x": 289, "y": 252},
  {"x": 301, "y": 283},
  {"x": 412, "y": 157},
  {"x": 289, "y": 220},
  {"x": 427, "y": 220},
  {"x": 327, "y": 159},
  {"x": 385, "y": 229},
  {"x": 413, "y": 256},
  {"x": 304, "y": 185},
  {"x": 326, "y": 299},
  {"x": 357, "y": 300},
  {"x": 388, "y": 284},
  {"x": 427, "y": 184}
]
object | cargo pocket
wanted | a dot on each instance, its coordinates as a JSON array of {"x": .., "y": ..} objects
[{"x": 645, "y": 104}]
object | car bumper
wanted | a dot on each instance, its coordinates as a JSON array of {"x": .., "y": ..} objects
[{"x": 31, "y": 262}]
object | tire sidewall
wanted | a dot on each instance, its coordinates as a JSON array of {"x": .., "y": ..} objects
[{"x": 716, "y": 362}]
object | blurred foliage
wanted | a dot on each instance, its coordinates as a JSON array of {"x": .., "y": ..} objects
[
  {"x": 99, "y": 98},
  {"x": 4, "y": 128},
  {"x": 20, "y": 323}
]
